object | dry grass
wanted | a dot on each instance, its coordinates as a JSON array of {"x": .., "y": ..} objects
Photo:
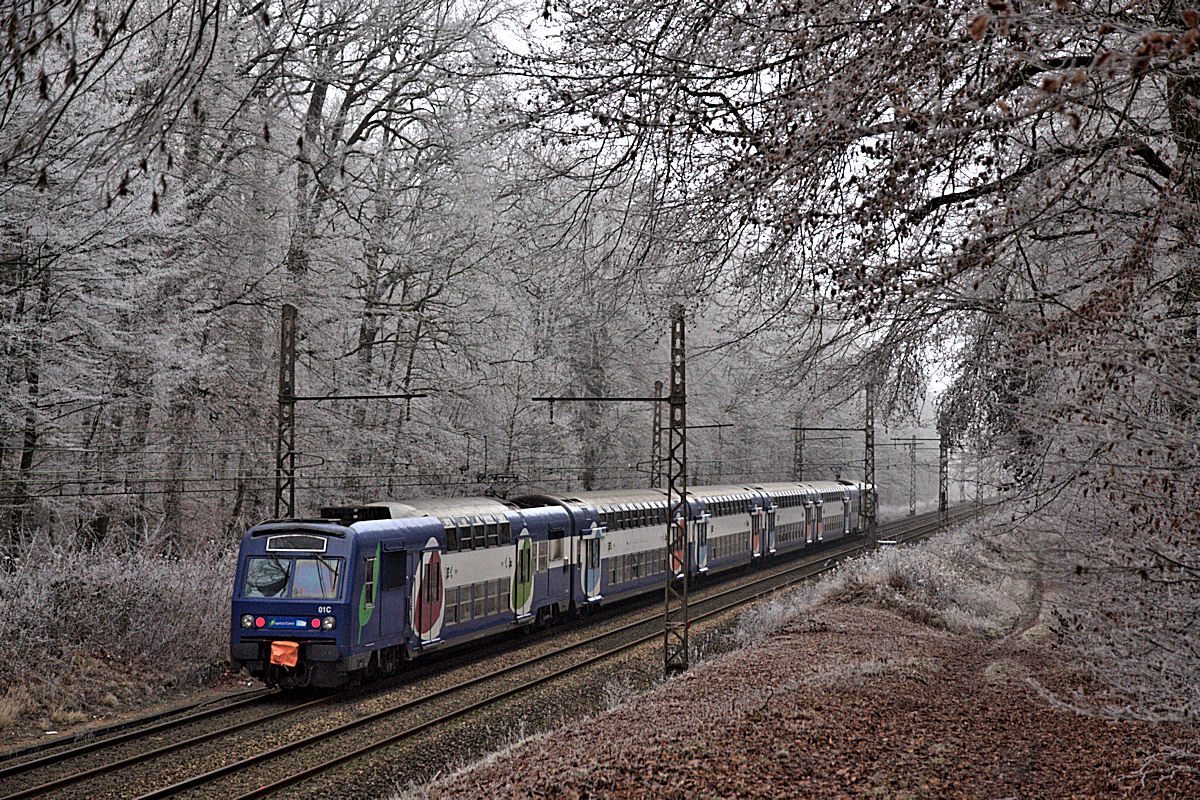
[
  {"x": 83, "y": 632},
  {"x": 943, "y": 583},
  {"x": 13, "y": 705}
]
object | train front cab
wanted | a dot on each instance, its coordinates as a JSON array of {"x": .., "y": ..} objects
[{"x": 291, "y": 607}]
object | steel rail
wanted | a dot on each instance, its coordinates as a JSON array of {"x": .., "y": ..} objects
[
  {"x": 41, "y": 789},
  {"x": 420, "y": 671},
  {"x": 90, "y": 734},
  {"x": 63, "y": 755}
]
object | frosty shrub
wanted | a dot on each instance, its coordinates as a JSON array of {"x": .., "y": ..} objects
[
  {"x": 76, "y": 626},
  {"x": 1130, "y": 597},
  {"x": 942, "y": 582}
]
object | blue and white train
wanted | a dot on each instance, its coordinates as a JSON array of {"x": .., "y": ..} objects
[{"x": 363, "y": 589}]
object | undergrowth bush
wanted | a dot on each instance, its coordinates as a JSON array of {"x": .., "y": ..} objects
[
  {"x": 943, "y": 582},
  {"x": 76, "y": 627}
]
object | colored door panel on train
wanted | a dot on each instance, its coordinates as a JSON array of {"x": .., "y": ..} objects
[
  {"x": 393, "y": 600},
  {"x": 522, "y": 582},
  {"x": 756, "y": 532},
  {"x": 678, "y": 539},
  {"x": 700, "y": 531},
  {"x": 771, "y": 509},
  {"x": 368, "y": 597},
  {"x": 428, "y": 597},
  {"x": 589, "y": 572}
]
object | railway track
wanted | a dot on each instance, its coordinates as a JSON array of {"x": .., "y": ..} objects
[
  {"x": 181, "y": 714},
  {"x": 350, "y": 727}
]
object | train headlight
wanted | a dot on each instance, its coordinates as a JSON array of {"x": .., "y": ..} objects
[
  {"x": 247, "y": 620},
  {"x": 328, "y": 624}
]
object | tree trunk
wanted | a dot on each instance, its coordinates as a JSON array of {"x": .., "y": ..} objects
[
  {"x": 22, "y": 497},
  {"x": 179, "y": 422}
]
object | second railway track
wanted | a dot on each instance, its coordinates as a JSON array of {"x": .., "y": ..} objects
[{"x": 262, "y": 754}]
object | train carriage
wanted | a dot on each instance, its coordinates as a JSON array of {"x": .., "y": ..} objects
[
  {"x": 621, "y": 538},
  {"x": 741, "y": 525},
  {"x": 795, "y": 520},
  {"x": 315, "y": 600}
]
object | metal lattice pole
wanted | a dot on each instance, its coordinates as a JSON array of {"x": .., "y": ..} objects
[
  {"x": 912, "y": 476},
  {"x": 285, "y": 438},
  {"x": 869, "y": 460},
  {"x": 798, "y": 448},
  {"x": 656, "y": 455},
  {"x": 943, "y": 475},
  {"x": 675, "y": 610}
]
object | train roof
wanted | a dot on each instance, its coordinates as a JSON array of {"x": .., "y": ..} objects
[
  {"x": 616, "y": 497},
  {"x": 722, "y": 490},
  {"x": 828, "y": 486},
  {"x": 785, "y": 486},
  {"x": 613, "y": 497},
  {"x": 444, "y": 507}
]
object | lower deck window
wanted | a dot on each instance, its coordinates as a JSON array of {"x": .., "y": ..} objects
[
  {"x": 478, "y": 600},
  {"x": 464, "y": 603}
]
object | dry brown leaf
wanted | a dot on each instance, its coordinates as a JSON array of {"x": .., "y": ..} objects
[{"x": 979, "y": 27}]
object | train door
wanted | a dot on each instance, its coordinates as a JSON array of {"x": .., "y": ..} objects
[
  {"x": 589, "y": 570},
  {"x": 427, "y": 595},
  {"x": 522, "y": 581},
  {"x": 368, "y": 598},
  {"x": 756, "y": 532},
  {"x": 846, "y": 513},
  {"x": 392, "y": 599},
  {"x": 701, "y": 535},
  {"x": 678, "y": 540},
  {"x": 771, "y": 509},
  {"x": 810, "y": 527}
]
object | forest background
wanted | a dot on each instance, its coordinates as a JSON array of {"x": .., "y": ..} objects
[{"x": 991, "y": 204}]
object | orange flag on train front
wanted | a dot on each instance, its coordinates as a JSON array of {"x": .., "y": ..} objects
[{"x": 285, "y": 654}]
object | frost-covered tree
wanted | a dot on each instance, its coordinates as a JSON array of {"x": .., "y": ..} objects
[{"x": 1002, "y": 193}]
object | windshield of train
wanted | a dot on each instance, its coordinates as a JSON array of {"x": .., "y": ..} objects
[
  {"x": 316, "y": 578},
  {"x": 312, "y": 578}
]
